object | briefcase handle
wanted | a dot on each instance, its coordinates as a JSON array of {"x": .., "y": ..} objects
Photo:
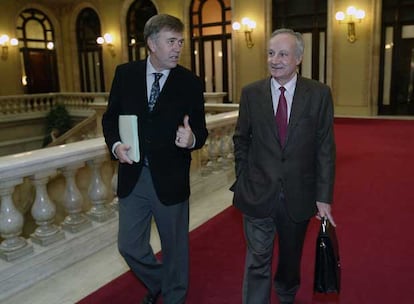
[{"x": 324, "y": 224}]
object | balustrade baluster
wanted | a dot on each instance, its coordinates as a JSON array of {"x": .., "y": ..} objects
[
  {"x": 227, "y": 147},
  {"x": 11, "y": 224},
  {"x": 20, "y": 106},
  {"x": 214, "y": 151},
  {"x": 41, "y": 105},
  {"x": 14, "y": 108},
  {"x": 9, "y": 107},
  {"x": 35, "y": 104},
  {"x": 27, "y": 108},
  {"x": 98, "y": 194},
  {"x": 114, "y": 186},
  {"x": 44, "y": 212},
  {"x": 222, "y": 163},
  {"x": 50, "y": 104},
  {"x": 204, "y": 158},
  {"x": 75, "y": 221}
]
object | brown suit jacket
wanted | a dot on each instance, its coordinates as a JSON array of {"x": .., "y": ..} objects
[{"x": 304, "y": 168}]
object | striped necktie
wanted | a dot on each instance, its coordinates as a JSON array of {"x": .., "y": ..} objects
[
  {"x": 155, "y": 91},
  {"x": 281, "y": 116}
]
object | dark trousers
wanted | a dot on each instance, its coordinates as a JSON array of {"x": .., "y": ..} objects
[
  {"x": 260, "y": 234},
  {"x": 170, "y": 277}
]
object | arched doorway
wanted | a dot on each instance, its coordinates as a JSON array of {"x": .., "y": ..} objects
[
  {"x": 396, "y": 87},
  {"x": 88, "y": 29},
  {"x": 210, "y": 32},
  {"x": 308, "y": 18},
  {"x": 37, "y": 46},
  {"x": 138, "y": 14}
]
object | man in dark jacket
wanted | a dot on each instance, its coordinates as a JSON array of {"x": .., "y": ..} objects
[{"x": 168, "y": 100}]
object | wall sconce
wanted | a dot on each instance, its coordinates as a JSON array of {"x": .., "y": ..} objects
[
  {"x": 5, "y": 41},
  {"x": 248, "y": 26},
  {"x": 107, "y": 40},
  {"x": 352, "y": 14}
]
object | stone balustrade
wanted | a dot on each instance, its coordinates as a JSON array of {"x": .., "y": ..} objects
[
  {"x": 39, "y": 166},
  {"x": 58, "y": 204},
  {"x": 35, "y": 103},
  {"x": 16, "y": 112}
]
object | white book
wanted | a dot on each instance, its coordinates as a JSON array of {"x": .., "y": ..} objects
[{"x": 128, "y": 130}]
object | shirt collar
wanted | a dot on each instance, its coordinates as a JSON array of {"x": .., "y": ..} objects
[
  {"x": 151, "y": 70},
  {"x": 289, "y": 86}
]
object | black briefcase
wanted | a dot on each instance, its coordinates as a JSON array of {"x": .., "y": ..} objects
[{"x": 327, "y": 265}]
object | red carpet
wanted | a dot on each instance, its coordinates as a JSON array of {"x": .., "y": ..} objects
[{"x": 374, "y": 210}]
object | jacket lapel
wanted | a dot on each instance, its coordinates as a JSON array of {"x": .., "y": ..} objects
[
  {"x": 267, "y": 107},
  {"x": 300, "y": 100},
  {"x": 138, "y": 94}
]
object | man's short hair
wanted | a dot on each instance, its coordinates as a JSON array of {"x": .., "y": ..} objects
[
  {"x": 300, "y": 44},
  {"x": 159, "y": 22}
]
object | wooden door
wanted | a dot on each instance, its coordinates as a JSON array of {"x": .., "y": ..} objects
[
  {"x": 41, "y": 71},
  {"x": 403, "y": 101}
]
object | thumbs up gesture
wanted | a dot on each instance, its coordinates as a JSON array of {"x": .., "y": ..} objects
[{"x": 184, "y": 136}]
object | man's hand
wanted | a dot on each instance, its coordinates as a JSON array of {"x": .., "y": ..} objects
[
  {"x": 324, "y": 210},
  {"x": 121, "y": 152},
  {"x": 184, "y": 136}
]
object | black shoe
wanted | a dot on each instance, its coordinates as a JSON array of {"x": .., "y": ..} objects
[{"x": 149, "y": 299}]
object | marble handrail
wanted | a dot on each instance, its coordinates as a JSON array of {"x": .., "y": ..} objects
[{"x": 26, "y": 163}]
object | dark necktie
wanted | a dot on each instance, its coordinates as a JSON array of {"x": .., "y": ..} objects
[
  {"x": 155, "y": 91},
  {"x": 281, "y": 116}
]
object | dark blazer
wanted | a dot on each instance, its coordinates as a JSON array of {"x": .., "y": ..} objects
[
  {"x": 181, "y": 95},
  {"x": 304, "y": 168}
]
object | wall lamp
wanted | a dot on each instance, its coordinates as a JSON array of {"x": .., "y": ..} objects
[
  {"x": 352, "y": 14},
  {"x": 107, "y": 40},
  {"x": 247, "y": 25},
  {"x": 5, "y": 41}
]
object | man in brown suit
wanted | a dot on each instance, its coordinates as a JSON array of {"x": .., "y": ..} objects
[{"x": 285, "y": 174}]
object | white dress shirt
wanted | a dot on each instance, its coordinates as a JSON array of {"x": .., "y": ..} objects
[{"x": 290, "y": 91}]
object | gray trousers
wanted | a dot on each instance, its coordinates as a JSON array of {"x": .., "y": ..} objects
[
  {"x": 169, "y": 276},
  {"x": 260, "y": 234}
]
